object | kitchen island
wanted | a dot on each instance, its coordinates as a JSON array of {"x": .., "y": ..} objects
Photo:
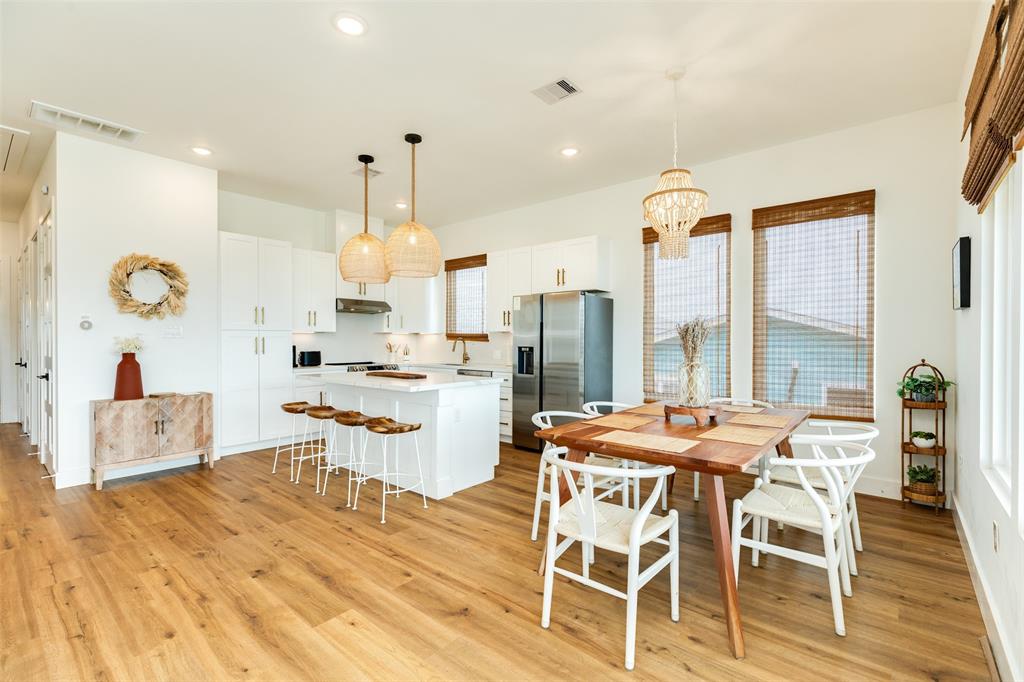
[{"x": 459, "y": 414}]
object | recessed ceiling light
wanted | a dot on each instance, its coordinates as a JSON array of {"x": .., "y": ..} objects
[
  {"x": 201, "y": 151},
  {"x": 350, "y": 24},
  {"x": 570, "y": 152},
  {"x": 401, "y": 204}
]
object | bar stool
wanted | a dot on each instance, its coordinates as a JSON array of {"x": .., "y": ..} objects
[
  {"x": 352, "y": 420},
  {"x": 321, "y": 414},
  {"x": 387, "y": 428},
  {"x": 294, "y": 409}
]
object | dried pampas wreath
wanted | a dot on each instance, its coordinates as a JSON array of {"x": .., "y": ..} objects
[{"x": 173, "y": 300}]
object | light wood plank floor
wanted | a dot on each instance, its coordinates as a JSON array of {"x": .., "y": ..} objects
[{"x": 234, "y": 573}]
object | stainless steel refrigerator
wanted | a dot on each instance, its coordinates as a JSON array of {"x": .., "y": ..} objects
[{"x": 562, "y": 346}]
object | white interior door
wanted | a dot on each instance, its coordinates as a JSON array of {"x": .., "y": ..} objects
[
  {"x": 46, "y": 377},
  {"x": 32, "y": 330},
  {"x": 275, "y": 284}
]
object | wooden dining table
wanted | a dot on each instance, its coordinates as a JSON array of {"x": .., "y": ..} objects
[{"x": 711, "y": 458}]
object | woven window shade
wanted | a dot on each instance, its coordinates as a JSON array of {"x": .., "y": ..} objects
[
  {"x": 994, "y": 108},
  {"x": 466, "y": 298},
  {"x": 814, "y": 315},
  {"x": 676, "y": 291}
]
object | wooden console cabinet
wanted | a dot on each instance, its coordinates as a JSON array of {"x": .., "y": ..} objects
[{"x": 132, "y": 432}]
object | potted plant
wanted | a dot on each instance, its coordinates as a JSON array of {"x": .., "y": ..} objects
[
  {"x": 922, "y": 439},
  {"x": 924, "y": 480},
  {"x": 923, "y": 388}
]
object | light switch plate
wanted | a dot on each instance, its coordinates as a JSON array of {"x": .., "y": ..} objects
[{"x": 175, "y": 332}]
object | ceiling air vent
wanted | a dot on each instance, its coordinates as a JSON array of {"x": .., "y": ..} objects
[
  {"x": 552, "y": 93},
  {"x": 373, "y": 172},
  {"x": 72, "y": 120},
  {"x": 12, "y": 148}
]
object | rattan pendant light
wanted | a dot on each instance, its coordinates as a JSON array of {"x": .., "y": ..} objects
[
  {"x": 362, "y": 258},
  {"x": 412, "y": 249},
  {"x": 676, "y": 205}
]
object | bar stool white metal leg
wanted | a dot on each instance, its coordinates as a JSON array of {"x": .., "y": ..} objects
[
  {"x": 322, "y": 414},
  {"x": 353, "y": 422},
  {"x": 295, "y": 409},
  {"x": 389, "y": 429}
]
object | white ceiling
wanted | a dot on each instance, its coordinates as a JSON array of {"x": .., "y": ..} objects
[{"x": 287, "y": 102}]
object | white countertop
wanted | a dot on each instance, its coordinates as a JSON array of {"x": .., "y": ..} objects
[{"x": 434, "y": 381}]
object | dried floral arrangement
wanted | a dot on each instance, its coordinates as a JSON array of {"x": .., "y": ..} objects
[
  {"x": 173, "y": 301},
  {"x": 692, "y": 337},
  {"x": 128, "y": 344}
]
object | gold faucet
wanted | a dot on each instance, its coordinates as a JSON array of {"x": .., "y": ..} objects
[{"x": 465, "y": 353}]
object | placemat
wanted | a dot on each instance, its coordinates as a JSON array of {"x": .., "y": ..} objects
[
  {"x": 738, "y": 434},
  {"x": 621, "y": 421},
  {"x": 776, "y": 421},
  {"x": 656, "y": 409},
  {"x": 648, "y": 441},
  {"x": 747, "y": 409}
]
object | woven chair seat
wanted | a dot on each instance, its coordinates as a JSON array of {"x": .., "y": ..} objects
[
  {"x": 321, "y": 412},
  {"x": 351, "y": 418},
  {"x": 296, "y": 408},
  {"x": 389, "y": 427}
]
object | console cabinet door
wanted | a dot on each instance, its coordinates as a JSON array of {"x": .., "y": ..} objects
[
  {"x": 186, "y": 423},
  {"x": 126, "y": 430}
]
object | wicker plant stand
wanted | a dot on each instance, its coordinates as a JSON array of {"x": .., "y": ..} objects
[{"x": 935, "y": 409}]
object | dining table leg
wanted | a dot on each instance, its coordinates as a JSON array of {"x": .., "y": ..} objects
[
  {"x": 563, "y": 494},
  {"x": 714, "y": 492}
]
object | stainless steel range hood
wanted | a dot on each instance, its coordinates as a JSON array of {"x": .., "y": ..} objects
[{"x": 358, "y": 305}]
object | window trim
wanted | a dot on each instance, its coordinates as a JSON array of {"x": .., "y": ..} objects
[
  {"x": 708, "y": 225},
  {"x": 464, "y": 263},
  {"x": 824, "y": 208}
]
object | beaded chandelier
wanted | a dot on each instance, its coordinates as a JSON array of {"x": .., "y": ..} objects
[{"x": 676, "y": 205}]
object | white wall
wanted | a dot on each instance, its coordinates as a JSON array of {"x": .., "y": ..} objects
[
  {"x": 978, "y": 507},
  {"x": 305, "y": 228},
  {"x": 909, "y": 160},
  {"x": 9, "y": 247},
  {"x": 114, "y": 201}
]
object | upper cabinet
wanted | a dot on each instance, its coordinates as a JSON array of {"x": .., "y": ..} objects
[
  {"x": 570, "y": 265},
  {"x": 255, "y": 283},
  {"x": 509, "y": 274},
  {"x": 417, "y": 305},
  {"x": 313, "y": 296},
  {"x": 346, "y": 226}
]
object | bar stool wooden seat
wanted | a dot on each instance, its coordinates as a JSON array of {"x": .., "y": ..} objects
[
  {"x": 294, "y": 409},
  {"x": 387, "y": 428},
  {"x": 322, "y": 445},
  {"x": 352, "y": 420}
]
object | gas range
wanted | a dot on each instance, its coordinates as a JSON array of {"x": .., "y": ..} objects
[{"x": 362, "y": 366}]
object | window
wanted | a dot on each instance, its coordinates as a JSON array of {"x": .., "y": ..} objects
[
  {"x": 676, "y": 291},
  {"x": 814, "y": 314},
  {"x": 1001, "y": 349},
  {"x": 466, "y": 297}
]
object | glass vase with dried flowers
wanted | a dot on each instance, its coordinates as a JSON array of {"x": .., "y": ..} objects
[{"x": 694, "y": 376}]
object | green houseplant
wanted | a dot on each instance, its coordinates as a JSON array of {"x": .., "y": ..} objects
[
  {"x": 922, "y": 439},
  {"x": 922, "y": 388},
  {"x": 923, "y": 479}
]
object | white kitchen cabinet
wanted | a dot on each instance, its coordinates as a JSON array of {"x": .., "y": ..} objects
[
  {"x": 256, "y": 378},
  {"x": 255, "y": 283},
  {"x": 570, "y": 265},
  {"x": 416, "y": 304},
  {"x": 346, "y": 226},
  {"x": 313, "y": 295},
  {"x": 509, "y": 274}
]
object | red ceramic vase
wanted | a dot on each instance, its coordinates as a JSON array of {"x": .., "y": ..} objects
[{"x": 128, "y": 385}]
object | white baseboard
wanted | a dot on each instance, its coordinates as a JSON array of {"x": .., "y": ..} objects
[{"x": 996, "y": 636}]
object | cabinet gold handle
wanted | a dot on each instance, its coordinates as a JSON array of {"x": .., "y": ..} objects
[
  {"x": 557, "y": 277},
  {"x": 314, "y": 318},
  {"x": 263, "y": 315},
  {"x": 264, "y": 345},
  {"x": 256, "y": 345},
  {"x": 309, "y": 323},
  {"x": 255, "y": 314},
  {"x": 563, "y": 277}
]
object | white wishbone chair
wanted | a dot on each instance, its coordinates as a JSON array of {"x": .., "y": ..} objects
[
  {"x": 593, "y": 408},
  {"x": 725, "y": 401},
  {"x": 836, "y": 432},
  {"x": 591, "y": 522},
  {"x": 610, "y": 485},
  {"x": 805, "y": 508}
]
